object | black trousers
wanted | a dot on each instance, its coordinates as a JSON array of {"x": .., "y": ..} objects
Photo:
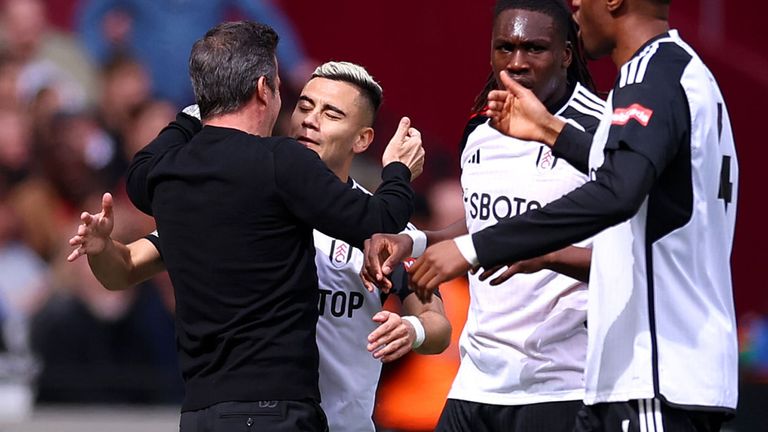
[
  {"x": 267, "y": 416},
  {"x": 465, "y": 416},
  {"x": 646, "y": 415}
]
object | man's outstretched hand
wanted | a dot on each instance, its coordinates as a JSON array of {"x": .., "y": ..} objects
[{"x": 94, "y": 233}]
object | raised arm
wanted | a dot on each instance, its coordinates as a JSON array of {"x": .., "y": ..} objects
[
  {"x": 517, "y": 112},
  {"x": 616, "y": 194},
  {"x": 114, "y": 264},
  {"x": 648, "y": 131},
  {"x": 318, "y": 198}
]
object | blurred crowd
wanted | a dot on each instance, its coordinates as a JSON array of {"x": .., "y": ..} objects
[
  {"x": 74, "y": 107},
  {"x": 68, "y": 126}
]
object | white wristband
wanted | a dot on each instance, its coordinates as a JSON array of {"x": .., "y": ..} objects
[
  {"x": 419, "y": 241},
  {"x": 418, "y": 327}
]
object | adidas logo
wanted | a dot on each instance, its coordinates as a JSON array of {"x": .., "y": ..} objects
[{"x": 475, "y": 159}]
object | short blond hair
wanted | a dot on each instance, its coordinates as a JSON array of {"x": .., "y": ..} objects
[{"x": 355, "y": 75}]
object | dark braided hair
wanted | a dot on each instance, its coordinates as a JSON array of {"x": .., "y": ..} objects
[{"x": 561, "y": 15}]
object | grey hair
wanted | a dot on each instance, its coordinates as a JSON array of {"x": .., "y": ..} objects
[
  {"x": 355, "y": 75},
  {"x": 226, "y": 64}
]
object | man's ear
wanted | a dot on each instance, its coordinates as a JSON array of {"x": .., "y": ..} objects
[
  {"x": 363, "y": 141},
  {"x": 614, "y": 5},
  {"x": 263, "y": 91},
  {"x": 567, "y": 55}
]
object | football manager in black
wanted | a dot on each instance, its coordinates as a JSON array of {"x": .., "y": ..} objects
[{"x": 235, "y": 209}]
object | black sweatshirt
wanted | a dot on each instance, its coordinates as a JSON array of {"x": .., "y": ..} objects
[{"x": 235, "y": 214}]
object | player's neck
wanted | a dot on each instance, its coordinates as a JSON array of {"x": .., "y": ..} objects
[
  {"x": 342, "y": 171},
  {"x": 633, "y": 32},
  {"x": 247, "y": 119},
  {"x": 559, "y": 97}
]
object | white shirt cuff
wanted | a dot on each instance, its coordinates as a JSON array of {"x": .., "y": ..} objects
[
  {"x": 467, "y": 249},
  {"x": 419, "y": 241}
]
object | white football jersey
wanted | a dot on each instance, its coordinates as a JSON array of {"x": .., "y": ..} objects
[
  {"x": 661, "y": 315},
  {"x": 349, "y": 375},
  {"x": 524, "y": 341}
]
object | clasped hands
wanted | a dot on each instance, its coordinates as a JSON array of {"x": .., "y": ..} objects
[{"x": 439, "y": 263}]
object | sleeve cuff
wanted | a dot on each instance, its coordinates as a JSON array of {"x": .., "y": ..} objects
[
  {"x": 154, "y": 238},
  {"x": 467, "y": 249},
  {"x": 419, "y": 241},
  {"x": 573, "y": 145},
  {"x": 188, "y": 124},
  {"x": 396, "y": 169}
]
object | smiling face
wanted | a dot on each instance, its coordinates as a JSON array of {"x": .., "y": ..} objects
[
  {"x": 532, "y": 50},
  {"x": 333, "y": 119}
]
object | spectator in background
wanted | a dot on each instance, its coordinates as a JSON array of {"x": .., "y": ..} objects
[
  {"x": 15, "y": 148},
  {"x": 67, "y": 168},
  {"x": 145, "y": 121},
  {"x": 104, "y": 347},
  {"x": 47, "y": 59},
  {"x": 126, "y": 86},
  {"x": 143, "y": 124},
  {"x": 9, "y": 78},
  {"x": 22, "y": 286},
  {"x": 85, "y": 336},
  {"x": 161, "y": 33}
]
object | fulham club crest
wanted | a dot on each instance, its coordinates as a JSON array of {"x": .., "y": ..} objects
[
  {"x": 546, "y": 160},
  {"x": 340, "y": 254}
]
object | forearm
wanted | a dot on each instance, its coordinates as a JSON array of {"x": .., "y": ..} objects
[
  {"x": 437, "y": 330},
  {"x": 119, "y": 266},
  {"x": 451, "y": 231},
  {"x": 315, "y": 195},
  {"x": 112, "y": 267},
  {"x": 572, "y": 261},
  {"x": 431, "y": 315},
  {"x": 395, "y": 198},
  {"x": 619, "y": 190}
]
